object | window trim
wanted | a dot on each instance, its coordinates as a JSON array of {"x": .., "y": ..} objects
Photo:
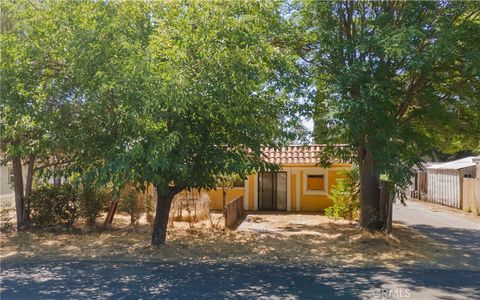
[
  {"x": 315, "y": 176},
  {"x": 316, "y": 171},
  {"x": 10, "y": 176}
]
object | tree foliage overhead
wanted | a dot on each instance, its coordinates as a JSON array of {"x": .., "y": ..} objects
[
  {"x": 164, "y": 93},
  {"x": 173, "y": 93},
  {"x": 397, "y": 78},
  {"x": 178, "y": 92},
  {"x": 35, "y": 115},
  {"x": 176, "y": 88}
]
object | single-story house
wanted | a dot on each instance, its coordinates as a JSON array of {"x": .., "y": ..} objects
[
  {"x": 300, "y": 185},
  {"x": 445, "y": 180}
]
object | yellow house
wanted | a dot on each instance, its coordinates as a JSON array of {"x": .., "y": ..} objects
[{"x": 300, "y": 185}]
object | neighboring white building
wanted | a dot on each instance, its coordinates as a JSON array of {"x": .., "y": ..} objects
[
  {"x": 445, "y": 180},
  {"x": 7, "y": 196}
]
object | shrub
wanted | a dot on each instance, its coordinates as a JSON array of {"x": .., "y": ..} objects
[
  {"x": 92, "y": 203},
  {"x": 53, "y": 205},
  {"x": 132, "y": 205},
  {"x": 346, "y": 201}
]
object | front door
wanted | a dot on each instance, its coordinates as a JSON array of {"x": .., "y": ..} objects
[{"x": 272, "y": 191}]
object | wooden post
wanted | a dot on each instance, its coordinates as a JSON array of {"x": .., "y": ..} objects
[{"x": 111, "y": 213}]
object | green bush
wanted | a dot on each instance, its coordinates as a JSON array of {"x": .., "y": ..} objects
[
  {"x": 53, "y": 205},
  {"x": 93, "y": 202},
  {"x": 346, "y": 201},
  {"x": 132, "y": 205}
]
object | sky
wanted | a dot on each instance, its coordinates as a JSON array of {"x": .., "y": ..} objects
[{"x": 308, "y": 123}]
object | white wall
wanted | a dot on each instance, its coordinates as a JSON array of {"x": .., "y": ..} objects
[
  {"x": 7, "y": 196},
  {"x": 444, "y": 187}
]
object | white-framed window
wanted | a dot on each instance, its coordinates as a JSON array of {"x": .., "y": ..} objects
[
  {"x": 10, "y": 175},
  {"x": 315, "y": 182}
]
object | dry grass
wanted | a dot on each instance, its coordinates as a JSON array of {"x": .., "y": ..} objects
[{"x": 315, "y": 241}]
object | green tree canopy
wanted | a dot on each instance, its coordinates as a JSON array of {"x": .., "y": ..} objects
[
  {"x": 166, "y": 93},
  {"x": 394, "y": 80},
  {"x": 34, "y": 113}
]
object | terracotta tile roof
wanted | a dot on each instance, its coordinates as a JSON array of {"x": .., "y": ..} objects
[{"x": 293, "y": 154}]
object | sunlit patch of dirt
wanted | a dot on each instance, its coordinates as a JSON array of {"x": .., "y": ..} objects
[{"x": 293, "y": 239}]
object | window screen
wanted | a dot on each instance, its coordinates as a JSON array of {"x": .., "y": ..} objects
[{"x": 315, "y": 183}]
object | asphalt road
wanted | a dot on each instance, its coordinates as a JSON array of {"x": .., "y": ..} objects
[
  {"x": 146, "y": 280},
  {"x": 459, "y": 233},
  {"x": 120, "y": 280}
]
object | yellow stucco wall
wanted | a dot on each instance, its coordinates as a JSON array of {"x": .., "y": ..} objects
[
  {"x": 251, "y": 192},
  {"x": 318, "y": 202},
  {"x": 308, "y": 203},
  {"x": 216, "y": 197},
  {"x": 293, "y": 192}
]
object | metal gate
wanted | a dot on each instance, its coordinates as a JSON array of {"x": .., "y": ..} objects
[{"x": 272, "y": 191}]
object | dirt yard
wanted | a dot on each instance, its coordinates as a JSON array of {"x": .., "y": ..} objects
[{"x": 289, "y": 238}]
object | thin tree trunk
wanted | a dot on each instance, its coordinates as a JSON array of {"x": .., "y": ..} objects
[
  {"x": 29, "y": 179},
  {"x": 164, "y": 201},
  {"x": 369, "y": 192},
  {"x": 111, "y": 213},
  {"x": 28, "y": 185},
  {"x": 19, "y": 192}
]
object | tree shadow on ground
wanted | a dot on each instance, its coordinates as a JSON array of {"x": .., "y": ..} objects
[
  {"x": 462, "y": 245},
  {"x": 134, "y": 280},
  {"x": 326, "y": 244},
  {"x": 456, "y": 238}
]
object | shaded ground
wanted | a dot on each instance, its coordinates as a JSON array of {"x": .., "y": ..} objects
[
  {"x": 293, "y": 238},
  {"x": 134, "y": 280},
  {"x": 270, "y": 255},
  {"x": 459, "y": 231}
]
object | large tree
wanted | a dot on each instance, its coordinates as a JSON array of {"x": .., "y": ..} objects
[
  {"x": 164, "y": 93},
  {"x": 393, "y": 79},
  {"x": 175, "y": 93},
  {"x": 31, "y": 80}
]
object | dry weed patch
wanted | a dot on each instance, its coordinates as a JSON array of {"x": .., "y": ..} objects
[{"x": 317, "y": 241}]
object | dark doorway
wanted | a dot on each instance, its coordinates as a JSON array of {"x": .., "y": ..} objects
[{"x": 272, "y": 191}]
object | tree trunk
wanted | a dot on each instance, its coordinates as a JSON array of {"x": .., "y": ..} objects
[
  {"x": 164, "y": 201},
  {"x": 19, "y": 192},
  {"x": 28, "y": 185},
  {"x": 29, "y": 179},
  {"x": 369, "y": 192}
]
